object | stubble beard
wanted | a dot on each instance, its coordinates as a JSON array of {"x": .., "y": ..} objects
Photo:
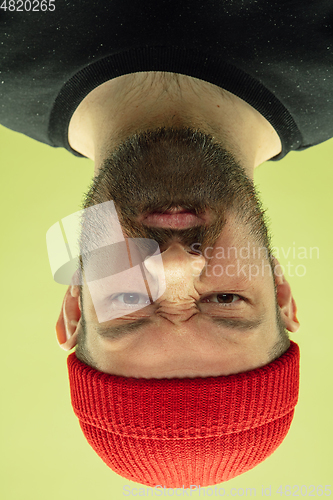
[{"x": 164, "y": 168}]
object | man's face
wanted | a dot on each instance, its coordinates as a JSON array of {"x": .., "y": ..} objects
[{"x": 218, "y": 314}]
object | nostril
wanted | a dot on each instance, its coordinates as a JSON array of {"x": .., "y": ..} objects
[{"x": 180, "y": 248}]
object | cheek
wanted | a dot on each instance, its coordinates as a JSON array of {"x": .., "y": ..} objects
[
  {"x": 239, "y": 271},
  {"x": 227, "y": 272}
]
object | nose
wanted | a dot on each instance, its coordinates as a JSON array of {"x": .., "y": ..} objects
[{"x": 181, "y": 268}]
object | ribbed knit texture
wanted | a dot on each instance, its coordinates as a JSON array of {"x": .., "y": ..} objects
[{"x": 178, "y": 432}]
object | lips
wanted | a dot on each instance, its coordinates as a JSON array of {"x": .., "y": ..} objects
[{"x": 173, "y": 219}]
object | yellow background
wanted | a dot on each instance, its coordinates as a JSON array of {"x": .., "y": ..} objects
[{"x": 44, "y": 455}]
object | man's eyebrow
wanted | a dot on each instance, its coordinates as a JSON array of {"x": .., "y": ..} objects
[
  {"x": 239, "y": 324},
  {"x": 120, "y": 331}
]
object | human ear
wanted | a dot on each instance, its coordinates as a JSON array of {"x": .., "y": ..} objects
[
  {"x": 69, "y": 325},
  {"x": 285, "y": 300}
]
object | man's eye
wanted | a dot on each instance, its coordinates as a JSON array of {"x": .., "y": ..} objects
[
  {"x": 130, "y": 299},
  {"x": 222, "y": 298}
]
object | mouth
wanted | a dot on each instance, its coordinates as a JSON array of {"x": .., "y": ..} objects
[{"x": 174, "y": 218}]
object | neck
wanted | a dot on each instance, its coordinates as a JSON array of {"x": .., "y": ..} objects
[{"x": 135, "y": 102}]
